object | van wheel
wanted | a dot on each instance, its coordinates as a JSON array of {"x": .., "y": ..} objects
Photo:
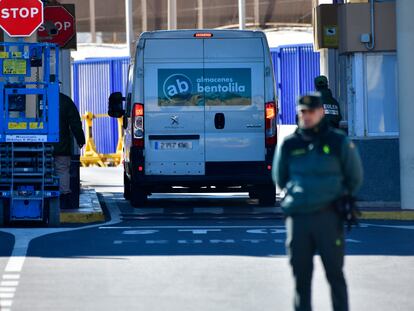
[
  {"x": 127, "y": 187},
  {"x": 2, "y": 214},
  {"x": 267, "y": 195},
  {"x": 54, "y": 212},
  {"x": 138, "y": 197}
]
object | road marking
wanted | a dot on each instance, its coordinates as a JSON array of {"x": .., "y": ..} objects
[
  {"x": 7, "y": 295},
  {"x": 409, "y": 227},
  {"x": 7, "y": 289},
  {"x": 139, "y": 232},
  {"x": 22, "y": 239},
  {"x": 11, "y": 277},
  {"x": 15, "y": 264},
  {"x": 199, "y": 231},
  {"x": 9, "y": 283},
  {"x": 156, "y": 241},
  {"x": 189, "y": 227},
  {"x": 266, "y": 231},
  {"x": 6, "y": 303},
  {"x": 352, "y": 241}
]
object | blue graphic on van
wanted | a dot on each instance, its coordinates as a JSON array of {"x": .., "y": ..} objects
[{"x": 212, "y": 86}]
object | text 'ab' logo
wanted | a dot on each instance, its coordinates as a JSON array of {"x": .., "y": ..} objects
[{"x": 178, "y": 86}]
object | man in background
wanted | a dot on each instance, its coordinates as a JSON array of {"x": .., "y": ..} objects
[
  {"x": 69, "y": 125},
  {"x": 330, "y": 104}
]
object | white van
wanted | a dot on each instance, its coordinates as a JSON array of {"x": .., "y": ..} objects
[{"x": 199, "y": 114}]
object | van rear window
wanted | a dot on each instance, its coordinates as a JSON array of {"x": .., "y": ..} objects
[{"x": 212, "y": 86}]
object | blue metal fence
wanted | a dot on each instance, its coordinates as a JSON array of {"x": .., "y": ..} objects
[
  {"x": 295, "y": 68},
  {"x": 93, "y": 81}
]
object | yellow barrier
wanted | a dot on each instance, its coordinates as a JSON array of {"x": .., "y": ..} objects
[{"x": 91, "y": 155}]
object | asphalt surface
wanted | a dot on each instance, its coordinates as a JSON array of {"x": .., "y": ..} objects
[{"x": 186, "y": 252}]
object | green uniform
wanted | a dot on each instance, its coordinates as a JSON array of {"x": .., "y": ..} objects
[
  {"x": 69, "y": 122},
  {"x": 315, "y": 168}
]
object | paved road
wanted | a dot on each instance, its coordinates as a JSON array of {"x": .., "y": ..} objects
[{"x": 187, "y": 253}]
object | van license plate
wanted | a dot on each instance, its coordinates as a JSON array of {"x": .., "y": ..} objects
[{"x": 173, "y": 145}]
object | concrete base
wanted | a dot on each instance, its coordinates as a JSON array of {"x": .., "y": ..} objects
[{"x": 89, "y": 211}]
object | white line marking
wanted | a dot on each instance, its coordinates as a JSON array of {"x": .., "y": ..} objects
[
  {"x": 352, "y": 241},
  {"x": 23, "y": 237},
  {"x": 189, "y": 227},
  {"x": 199, "y": 231},
  {"x": 391, "y": 226},
  {"x": 15, "y": 264},
  {"x": 7, "y": 289},
  {"x": 6, "y": 303},
  {"x": 119, "y": 242},
  {"x": 9, "y": 283},
  {"x": 141, "y": 232},
  {"x": 11, "y": 277},
  {"x": 6, "y": 295}
]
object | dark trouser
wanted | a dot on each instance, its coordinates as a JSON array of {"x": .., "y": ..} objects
[{"x": 306, "y": 234}]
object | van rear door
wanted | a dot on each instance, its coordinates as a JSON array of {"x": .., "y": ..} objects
[
  {"x": 234, "y": 98},
  {"x": 174, "y": 107}
]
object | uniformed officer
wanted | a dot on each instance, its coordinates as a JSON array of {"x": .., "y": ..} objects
[
  {"x": 331, "y": 105},
  {"x": 315, "y": 167}
]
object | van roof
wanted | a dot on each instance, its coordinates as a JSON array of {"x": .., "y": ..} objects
[{"x": 189, "y": 33}]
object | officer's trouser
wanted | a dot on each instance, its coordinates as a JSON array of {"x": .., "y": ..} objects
[{"x": 306, "y": 234}]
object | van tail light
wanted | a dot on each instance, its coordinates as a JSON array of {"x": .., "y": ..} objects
[
  {"x": 271, "y": 131},
  {"x": 138, "y": 128}
]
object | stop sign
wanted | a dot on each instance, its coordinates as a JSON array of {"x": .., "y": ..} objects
[
  {"x": 64, "y": 26},
  {"x": 21, "y": 18}
]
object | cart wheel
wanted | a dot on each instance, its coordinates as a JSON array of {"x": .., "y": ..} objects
[
  {"x": 2, "y": 216},
  {"x": 54, "y": 212}
]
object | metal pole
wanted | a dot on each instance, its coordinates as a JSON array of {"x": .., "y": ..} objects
[
  {"x": 65, "y": 72},
  {"x": 92, "y": 21},
  {"x": 405, "y": 48},
  {"x": 257, "y": 13},
  {"x": 200, "y": 15},
  {"x": 242, "y": 14},
  {"x": 172, "y": 14},
  {"x": 144, "y": 15},
  {"x": 129, "y": 25}
]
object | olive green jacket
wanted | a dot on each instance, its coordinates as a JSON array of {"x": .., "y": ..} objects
[
  {"x": 315, "y": 168},
  {"x": 69, "y": 123}
]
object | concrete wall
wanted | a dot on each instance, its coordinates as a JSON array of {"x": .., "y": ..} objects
[{"x": 381, "y": 162}]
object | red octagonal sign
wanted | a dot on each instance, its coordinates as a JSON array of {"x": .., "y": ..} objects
[
  {"x": 59, "y": 26},
  {"x": 21, "y": 18}
]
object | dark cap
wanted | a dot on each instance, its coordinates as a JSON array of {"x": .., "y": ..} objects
[
  {"x": 321, "y": 81},
  {"x": 310, "y": 101}
]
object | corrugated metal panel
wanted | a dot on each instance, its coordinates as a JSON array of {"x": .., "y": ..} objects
[
  {"x": 295, "y": 67},
  {"x": 94, "y": 80}
]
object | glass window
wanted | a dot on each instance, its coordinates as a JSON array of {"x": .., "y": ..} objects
[{"x": 381, "y": 94}]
